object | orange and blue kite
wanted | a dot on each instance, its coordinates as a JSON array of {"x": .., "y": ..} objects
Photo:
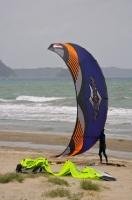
[{"x": 91, "y": 96}]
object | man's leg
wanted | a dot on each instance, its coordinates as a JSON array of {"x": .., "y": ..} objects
[
  {"x": 106, "y": 158},
  {"x": 100, "y": 156}
]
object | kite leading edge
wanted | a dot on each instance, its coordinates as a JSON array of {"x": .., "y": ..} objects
[{"x": 91, "y": 96}]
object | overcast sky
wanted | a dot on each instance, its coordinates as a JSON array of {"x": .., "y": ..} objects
[{"x": 28, "y": 27}]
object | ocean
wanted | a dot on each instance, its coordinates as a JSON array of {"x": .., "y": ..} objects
[{"x": 40, "y": 106}]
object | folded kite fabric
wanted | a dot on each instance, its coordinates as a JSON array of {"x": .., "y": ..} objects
[{"x": 41, "y": 164}]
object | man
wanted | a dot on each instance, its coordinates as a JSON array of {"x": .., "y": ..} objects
[{"x": 102, "y": 146}]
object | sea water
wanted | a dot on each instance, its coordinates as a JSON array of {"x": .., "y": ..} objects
[{"x": 49, "y": 106}]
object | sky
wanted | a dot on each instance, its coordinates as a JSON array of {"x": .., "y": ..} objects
[{"x": 28, "y": 27}]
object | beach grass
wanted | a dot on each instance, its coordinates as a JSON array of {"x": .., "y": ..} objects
[
  {"x": 10, "y": 177},
  {"x": 58, "y": 181},
  {"x": 58, "y": 192},
  {"x": 76, "y": 196},
  {"x": 89, "y": 185},
  {"x": 62, "y": 192}
]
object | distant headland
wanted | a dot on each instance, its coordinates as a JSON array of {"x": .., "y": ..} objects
[{"x": 7, "y": 72}]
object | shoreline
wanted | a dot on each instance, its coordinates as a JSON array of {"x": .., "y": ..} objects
[{"x": 54, "y": 142}]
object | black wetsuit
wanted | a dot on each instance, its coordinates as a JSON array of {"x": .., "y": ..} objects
[{"x": 102, "y": 147}]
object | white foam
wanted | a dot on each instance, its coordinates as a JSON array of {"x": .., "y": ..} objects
[
  {"x": 119, "y": 116},
  {"x": 119, "y": 111},
  {"x": 37, "y": 98},
  {"x": 39, "y": 111},
  {"x": 5, "y": 100}
]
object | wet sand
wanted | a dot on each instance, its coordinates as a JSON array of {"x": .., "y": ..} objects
[{"x": 60, "y": 139}]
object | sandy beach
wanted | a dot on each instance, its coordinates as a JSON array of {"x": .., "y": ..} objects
[{"x": 120, "y": 167}]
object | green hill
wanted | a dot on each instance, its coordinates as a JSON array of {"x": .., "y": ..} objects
[{"x": 5, "y": 72}]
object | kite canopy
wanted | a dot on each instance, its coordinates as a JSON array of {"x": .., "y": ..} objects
[{"x": 91, "y": 96}]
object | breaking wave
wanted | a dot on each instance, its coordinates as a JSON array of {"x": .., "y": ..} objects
[{"x": 37, "y": 99}]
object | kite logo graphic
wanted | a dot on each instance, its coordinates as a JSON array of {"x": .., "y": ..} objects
[{"x": 95, "y": 97}]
